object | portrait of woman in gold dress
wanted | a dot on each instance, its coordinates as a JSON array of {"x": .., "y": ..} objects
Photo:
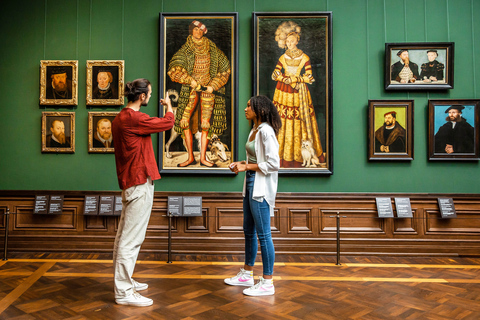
[{"x": 299, "y": 137}]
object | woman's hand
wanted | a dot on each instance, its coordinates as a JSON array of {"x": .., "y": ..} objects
[{"x": 238, "y": 166}]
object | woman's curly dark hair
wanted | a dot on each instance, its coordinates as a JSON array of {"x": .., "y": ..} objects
[{"x": 266, "y": 111}]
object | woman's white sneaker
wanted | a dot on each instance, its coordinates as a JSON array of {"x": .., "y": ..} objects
[
  {"x": 262, "y": 288},
  {"x": 136, "y": 299},
  {"x": 243, "y": 278}
]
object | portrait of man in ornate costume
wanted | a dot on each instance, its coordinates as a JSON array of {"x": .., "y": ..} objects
[{"x": 200, "y": 70}]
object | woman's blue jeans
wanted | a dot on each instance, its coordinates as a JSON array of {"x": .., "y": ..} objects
[{"x": 256, "y": 221}]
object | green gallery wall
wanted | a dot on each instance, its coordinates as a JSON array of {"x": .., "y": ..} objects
[{"x": 34, "y": 30}]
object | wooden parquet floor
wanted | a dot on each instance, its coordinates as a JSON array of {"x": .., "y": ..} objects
[{"x": 75, "y": 286}]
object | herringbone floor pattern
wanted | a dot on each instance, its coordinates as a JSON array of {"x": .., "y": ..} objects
[{"x": 81, "y": 287}]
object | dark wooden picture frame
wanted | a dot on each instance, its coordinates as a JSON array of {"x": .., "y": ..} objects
[
  {"x": 462, "y": 142},
  {"x": 100, "y": 132},
  {"x": 105, "y": 82},
  {"x": 430, "y": 65},
  {"x": 183, "y": 143},
  {"x": 58, "y": 132},
  {"x": 303, "y": 72},
  {"x": 58, "y": 82},
  {"x": 390, "y": 130}
]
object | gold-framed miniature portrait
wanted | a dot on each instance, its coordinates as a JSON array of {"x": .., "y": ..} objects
[
  {"x": 105, "y": 82},
  {"x": 59, "y": 82},
  {"x": 100, "y": 139},
  {"x": 58, "y": 132}
]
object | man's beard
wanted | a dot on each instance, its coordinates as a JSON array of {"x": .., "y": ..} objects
[
  {"x": 105, "y": 136},
  {"x": 144, "y": 103},
  {"x": 388, "y": 124},
  {"x": 60, "y": 86},
  {"x": 454, "y": 119},
  {"x": 406, "y": 61},
  {"x": 60, "y": 138}
]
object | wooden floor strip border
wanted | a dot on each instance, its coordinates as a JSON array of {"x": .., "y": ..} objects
[
  {"x": 277, "y": 264},
  {"x": 283, "y": 278},
  {"x": 24, "y": 286}
]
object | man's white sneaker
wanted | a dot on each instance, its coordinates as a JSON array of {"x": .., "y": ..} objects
[
  {"x": 243, "y": 278},
  {"x": 139, "y": 286},
  {"x": 262, "y": 288},
  {"x": 136, "y": 299}
]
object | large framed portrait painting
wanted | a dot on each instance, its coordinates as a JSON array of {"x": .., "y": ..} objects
[
  {"x": 419, "y": 66},
  {"x": 58, "y": 132},
  {"x": 390, "y": 130},
  {"x": 293, "y": 67},
  {"x": 198, "y": 69},
  {"x": 453, "y": 129},
  {"x": 105, "y": 82},
  {"x": 58, "y": 82}
]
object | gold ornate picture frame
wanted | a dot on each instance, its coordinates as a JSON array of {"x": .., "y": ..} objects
[
  {"x": 105, "y": 82},
  {"x": 59, "y": 82},
  {"x": 100, "y": 139},
  {"x": 58, "y": 132}
]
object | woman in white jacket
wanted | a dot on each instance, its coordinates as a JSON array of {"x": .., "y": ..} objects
[{"x": 259, "y": 191}]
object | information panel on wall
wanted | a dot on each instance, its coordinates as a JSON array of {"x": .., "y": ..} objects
[
  {"x": 384, "y": 207},
  {"x": 56, "y": 205},
  {"x": 185, "y": 206},
  {"x": 403, "y": 207},
  {"x": 447, "y": 208},
  {"x": 41, "y": 204}
]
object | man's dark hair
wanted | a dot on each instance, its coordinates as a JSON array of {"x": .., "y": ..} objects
[
  {"x": 266, "y": 111},
  {"x": 134, "y": 89}
]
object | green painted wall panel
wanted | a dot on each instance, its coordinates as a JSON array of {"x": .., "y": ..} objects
[{"x": 128, "y": 30}]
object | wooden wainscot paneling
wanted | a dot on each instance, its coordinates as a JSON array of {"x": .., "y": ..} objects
[
  {"x": 96, "y": 223},
  {"x": 229, "y": 219},
  {"x": 26, "y": 219},
  {"x": 197, "y": 224},
  {"x": 304, "y": 223},
  {"x": 159, "y": 220},
  {"x": 275, "y": 221},
  {"x": 467, "y": 222},
  {"x": 406, "y": 225},
  {"x": 300, "y": 220},
  {"x": 3, "y": 211},
  {"x": 357, "y": 221}
]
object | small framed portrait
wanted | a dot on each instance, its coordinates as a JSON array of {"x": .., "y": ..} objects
[
  {"x": 292, "y": 61},
  {"x": 105, "y": 82},
  {"x": 419, "y": 66},
  {"x": 58, "y": 82},
  {"x": 453, "y": 129},
  {"x": 390, "y": 130},
  {"x": 198, "y": 69},
  {"x": 100, "y": 139},
  {"x": 58, "y": 132}
]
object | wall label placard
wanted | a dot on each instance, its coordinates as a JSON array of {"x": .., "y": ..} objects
[
  {"x": 192, "y": 206},
  {"x": 106, "y": 205},
  {"x": 185, "y": 206},
  {"x": 41, "y": 204},
  {"x": 175, "y": 206},
  {"x": 384, "y": 207},
  {"x": 55, "y": 205},
  {"x": 447, "y": 208},
  {"x": 90, "y": 206},
  {"x": 118, "y": 206},
  {"x": 403, "y": 207}
]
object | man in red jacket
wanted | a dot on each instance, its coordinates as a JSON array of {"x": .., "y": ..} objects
[{"x": 136, "y": 171}]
